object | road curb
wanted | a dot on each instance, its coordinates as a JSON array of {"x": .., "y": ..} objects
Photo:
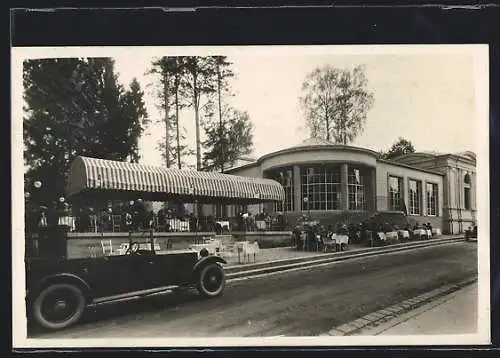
[
  {"x": 284, "y": 265},
  {"x": 382, "y": 316}
]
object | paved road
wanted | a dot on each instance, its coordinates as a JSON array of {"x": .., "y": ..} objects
[{"x": 300, "y": 303}]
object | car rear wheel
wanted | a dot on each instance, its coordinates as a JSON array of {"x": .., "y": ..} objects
[
  {"x": 58, "y": 306},
  {"x": 211, "y": 280}
]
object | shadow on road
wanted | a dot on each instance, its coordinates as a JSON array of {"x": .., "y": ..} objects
[{"x": 101, "y": 314}]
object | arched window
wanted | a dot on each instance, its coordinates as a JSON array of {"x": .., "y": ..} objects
[{"x": 467, "y": 188}]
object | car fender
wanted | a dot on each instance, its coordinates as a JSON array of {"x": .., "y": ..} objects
[
  {"x": 208, "y": 260},
  {"x": 60, "y": 277}
]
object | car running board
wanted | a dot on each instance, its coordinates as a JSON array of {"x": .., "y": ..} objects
[{"x": 132, "y": 295}]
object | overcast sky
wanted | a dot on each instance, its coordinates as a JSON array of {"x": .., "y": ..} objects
[
  {"x": 428, "y": 99},
  {"x": 427, "y": 94}
]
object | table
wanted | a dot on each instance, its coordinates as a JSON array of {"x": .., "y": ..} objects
[
  {"x": 223, "y": 224},
  {"x": 405, "y": 234},
  {"x": 67, "y": 221},
  {"x": 261, "y": 224},
  {"x": 335, "y": 240},
  {"x": 436, "y": 232},
  {"x": 247, "y": 249},
  {"x": 178, "y": 225},
  {"x": 340, "y": 239},
  {"x": 392, "y": 235},
  {"x": 382, "y": 236},
  {"x": 422, "y": 232}
]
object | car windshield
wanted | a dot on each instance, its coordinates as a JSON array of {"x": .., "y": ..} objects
[{"x": 136, "y": 244}]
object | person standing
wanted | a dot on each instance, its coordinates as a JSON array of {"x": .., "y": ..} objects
[{"x": 42, "y": 220}]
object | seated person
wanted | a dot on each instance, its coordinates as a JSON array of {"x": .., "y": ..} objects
[
  {"x": 280, "y": 221},
  {"x": 103, "y": 220},
  {"x": 329, "y": 232},
  {"x": 311, "y": 239},
  {"x": 127, "y": 221},
  {"x": 320, "y": 236},
  {"x": 342, "y": 229},
  {"x": 193, "y": 223},
  {"x": 83, "y": 222},
  {"x": 387, "y": 228},
  {"x": 363, "y": 228},
  {"x": 161, "y": 219}
]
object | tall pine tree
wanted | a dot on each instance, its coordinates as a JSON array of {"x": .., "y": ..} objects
[
  {"x": 226, "y": 143},
  {"x": 76, "y": 106},
  {"x": 172, "y": 97}
]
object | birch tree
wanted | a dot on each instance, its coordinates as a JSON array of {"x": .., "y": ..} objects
[{"x": 335, "y": 103}]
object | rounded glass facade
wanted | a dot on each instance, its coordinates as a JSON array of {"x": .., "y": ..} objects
[
  {"x": 320, "y": 187},
  {"x": 284, "y": 176}
]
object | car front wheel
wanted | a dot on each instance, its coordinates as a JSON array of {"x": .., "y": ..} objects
[
  {"x": 58, "y": 306},
  {"x": 211, "y": 280}
]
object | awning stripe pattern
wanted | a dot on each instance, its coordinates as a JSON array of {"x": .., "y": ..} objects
[{"x": 100, "y": 174}]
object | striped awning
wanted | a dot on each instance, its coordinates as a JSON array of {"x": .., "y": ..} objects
[{"x": 92, "y": 174}]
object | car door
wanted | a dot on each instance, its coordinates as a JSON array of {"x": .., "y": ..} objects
[
  {"x": 145, "y": 267},
  {"x": 112, "y": 275},
  {"x": 174, "y": 267}
]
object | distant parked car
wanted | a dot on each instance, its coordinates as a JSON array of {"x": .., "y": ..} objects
[{"x": 471, "y": 233}]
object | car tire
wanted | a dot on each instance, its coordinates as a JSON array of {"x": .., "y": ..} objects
[
  {"x": 211, "y": 280},
  {"x": 61, "y": 292}
]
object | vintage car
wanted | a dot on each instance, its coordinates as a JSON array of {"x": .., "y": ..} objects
[
  {"x": 60, "y": 286},
  {"x": 471, "y": 233},
  {"x": 59, "y": 290}
]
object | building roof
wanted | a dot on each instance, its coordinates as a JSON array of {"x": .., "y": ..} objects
[
  {"x": 409, "y": 166},
  {"x": 316, "y": 143},
  {"x": 319, "y": 143},
  {"x": 466, "y": 155}
]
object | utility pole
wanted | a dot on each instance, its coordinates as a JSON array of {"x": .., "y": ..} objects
[
  {"x": 167, "y": 119},
  {"x": 221, "y": 127}
]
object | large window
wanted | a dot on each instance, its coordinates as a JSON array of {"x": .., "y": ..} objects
[
  {"x": 321, "y": 186},
  {"x": 285, "y": 178},
  {"x": 395, "y": 193},
  {"x": 431, "y": 193},
  {"x": 414, "y": 197},
  {"x": 467, "y": 186},
  {"x": 356, "y": 188}
]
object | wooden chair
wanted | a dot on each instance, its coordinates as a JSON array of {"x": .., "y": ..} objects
[
  {"x": 107, "y": 247},
  {"x": 93, "y": 223},
  {"x": 117, "y": 223},
  {"x": 251, "y": 249},
  {"x": 228, "y": 247},
  {"x": 261, "y": 225},
  {"x": 436, "y": 232},
  {"x": 95, "y": 251}
]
